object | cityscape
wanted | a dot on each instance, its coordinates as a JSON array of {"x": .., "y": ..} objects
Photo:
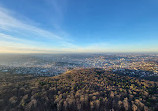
[
  {"x": 136, "y": 65},
  {"x": 78, "y": 55}
]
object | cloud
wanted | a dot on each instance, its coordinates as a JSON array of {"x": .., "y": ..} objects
[
  {"x": 6, "y": 37},
  {"x": 17, "y": 36},
  {"x": 24, "y": 34},
  {"x": 7, "y": 22}
]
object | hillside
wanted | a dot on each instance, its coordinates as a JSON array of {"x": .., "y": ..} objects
[{"x": 78, "y": 90}]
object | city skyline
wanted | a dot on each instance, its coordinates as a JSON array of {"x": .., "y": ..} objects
[{"x": 71, "y": 26}]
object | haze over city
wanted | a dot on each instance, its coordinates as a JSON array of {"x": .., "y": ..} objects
[
  {"x": 78, "y": 55},
  {"x": 78, "y": 26}
]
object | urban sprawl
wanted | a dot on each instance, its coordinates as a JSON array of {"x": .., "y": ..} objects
[{"x": 141, "y": 65}]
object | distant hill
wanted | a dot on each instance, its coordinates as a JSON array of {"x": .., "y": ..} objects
[{"x": 78, "y": 90}]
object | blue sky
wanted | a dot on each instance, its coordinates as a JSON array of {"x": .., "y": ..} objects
[{"x": 65, "y": 26}]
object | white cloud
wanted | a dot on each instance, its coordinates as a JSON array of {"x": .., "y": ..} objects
[
  {"x": 18, "y": 42},
  {"x": 11, "y": 38},
  {"x": 7, "y": 22},
  {"x": 21, "y": 32}
]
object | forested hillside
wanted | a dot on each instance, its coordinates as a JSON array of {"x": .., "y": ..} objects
[{"x": 78, "y": 90}]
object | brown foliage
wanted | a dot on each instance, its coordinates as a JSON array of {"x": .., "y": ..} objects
[{"x": 78, "y": 90}]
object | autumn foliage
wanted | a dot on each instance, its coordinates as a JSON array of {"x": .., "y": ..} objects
[{"x": 78, "y": 90}]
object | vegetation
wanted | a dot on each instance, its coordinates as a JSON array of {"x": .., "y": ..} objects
[{"x": 78, "y": 90}]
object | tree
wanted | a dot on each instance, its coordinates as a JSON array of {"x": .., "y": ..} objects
[
  {"x": 125, "y": 104},
  {"x": 134, "y": 107}
]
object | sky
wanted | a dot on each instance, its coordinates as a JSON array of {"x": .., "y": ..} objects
[{"x": 78, "y": 26}]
